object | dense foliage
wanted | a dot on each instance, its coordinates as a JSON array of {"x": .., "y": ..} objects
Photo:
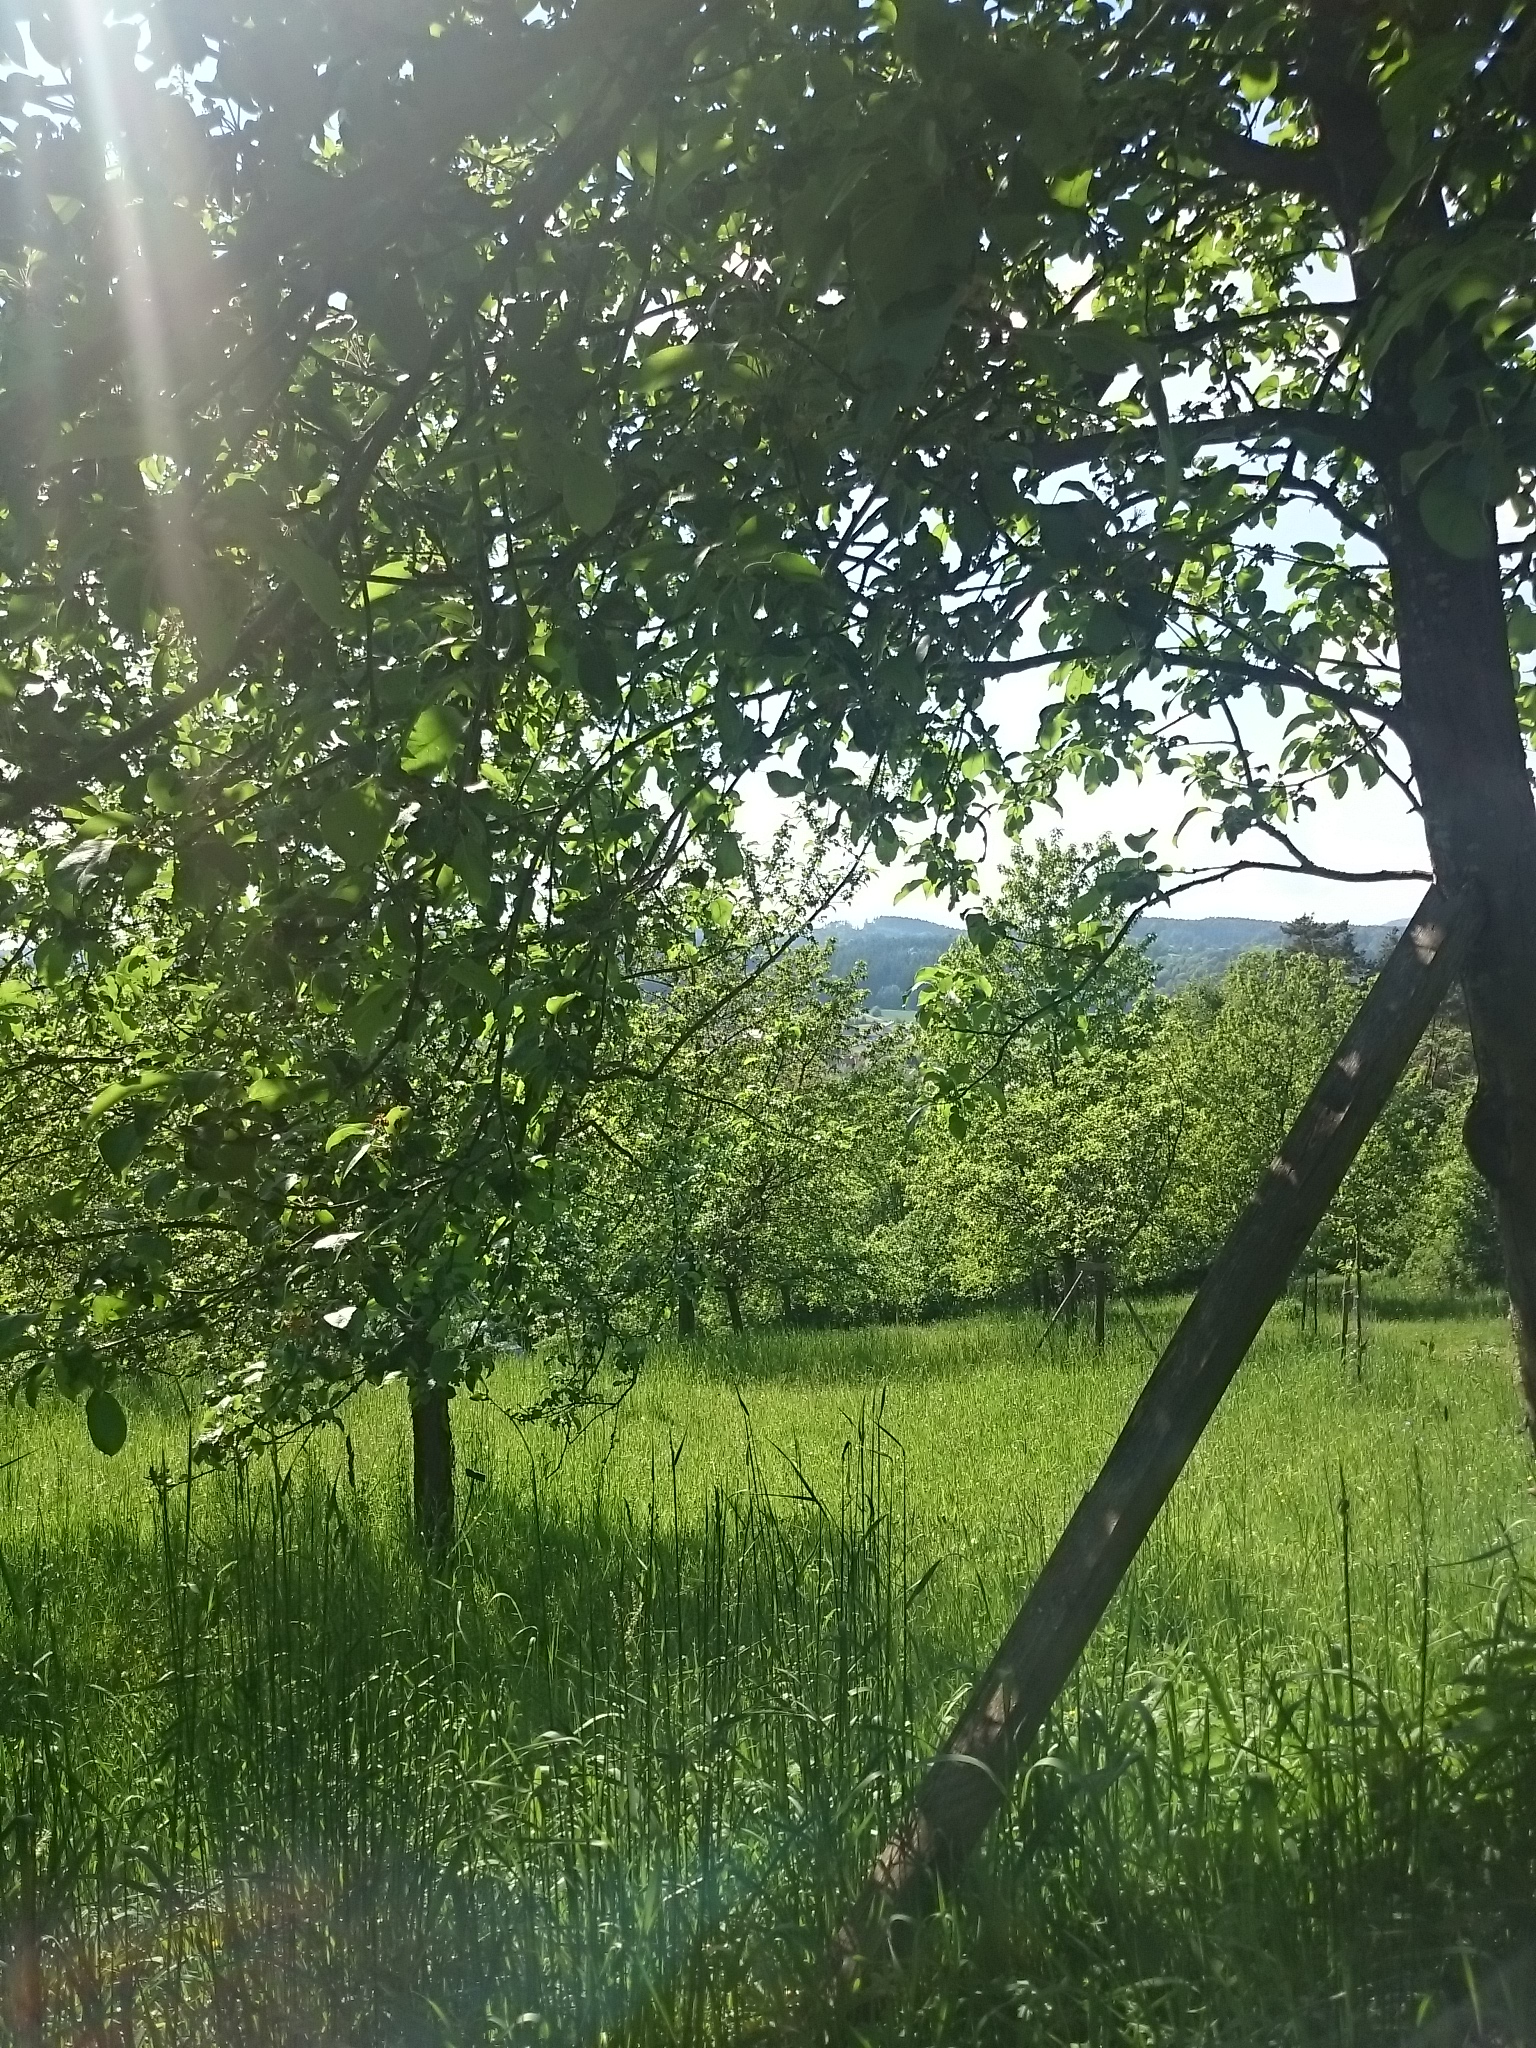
[
  {"x": 447, "y": 454},
  {"x": 802, "y": 1161},
  {"x": 752, "y": 1146}
]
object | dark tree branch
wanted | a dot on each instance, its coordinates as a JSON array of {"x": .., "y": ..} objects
[
  {"x": 1048, "y": 455},
  {"x": 1302, "y": 171}
]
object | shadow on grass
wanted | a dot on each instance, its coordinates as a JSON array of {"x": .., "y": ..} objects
[{"x": 608, "y": 1772}]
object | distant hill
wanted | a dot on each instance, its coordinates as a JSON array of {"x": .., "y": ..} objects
[
  {"x": 1196, "y": 948},
  {"x": 1184, "y": 949},
  {"x": 892, "y": 950}
]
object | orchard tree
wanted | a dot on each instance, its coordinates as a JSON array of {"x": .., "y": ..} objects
[
  {"x": 1090, "y": 1162},
  {"x": 1039, "y": 1036},
  {"x": 683, "y": 386},
  {"x": 1197, "y": 341},
  {"x": 392, "y": 592},
  {"x": 1043, "y": 974},
  {"x": 740, "y": 1139},
  {"x": 72, "y": 1234},
  {"x": 1246, "y": 1050},
  {"x": 1251, "y": 1047}
]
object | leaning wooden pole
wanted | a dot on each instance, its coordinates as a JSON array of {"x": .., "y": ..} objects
[{"x": 969, "y": 1778}]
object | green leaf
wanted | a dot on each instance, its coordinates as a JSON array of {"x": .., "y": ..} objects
[
  {"x": 314, "y": 576},
  {"x": 53, "y": 961},
  {"x": 214, "y": 600},
  {"x": 1455, "y": 520},
  {"x": 384, "y": 581},
  {"x": 121, "y": 1144},
  {"x": 980, "y": 931},
  {"x": 207, "y": 872},
  {"x": 119, "y": 1091},
  {"x": 165, "y": 790},
  {"x": 15, "y": 1329},
  {"x": 140, "y": 873},
  {"x": 1257, "y": 77},
  {"x": 434, "y": 740},
  {"x": 73, "y": 1369},
  {"x": 475, "y": 976},
  {"x": 588, "y": 487},
  {"x": 1100, "y": 347},
  {"x": 355, "y": 823},
  {"x": 1072, "y": 192},
  {"x": 371, "y": 1016},
  {"x": 1055, "y": 127},
  {"x": 910, "y": 242},
  {"x": 664, "y": 367},
  {"x": 270, "y": 1091},
  {"x": 796, "y": 567},
  {"x": 107, "y": 1423},
  {"x": 388, "y": 306},
  {"x": 598, "y": 674}
]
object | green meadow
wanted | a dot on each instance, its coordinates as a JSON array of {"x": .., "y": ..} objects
[{"x": 607, "y": 1772}]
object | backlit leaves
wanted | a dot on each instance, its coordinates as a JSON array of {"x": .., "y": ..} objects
[{"x": 434, "y": 740}]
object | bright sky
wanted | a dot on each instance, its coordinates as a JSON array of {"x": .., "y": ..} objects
[{"x": 1366, "y": 830}]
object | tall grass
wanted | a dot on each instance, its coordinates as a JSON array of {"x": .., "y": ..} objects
[{"x": 608, "y": 1772}]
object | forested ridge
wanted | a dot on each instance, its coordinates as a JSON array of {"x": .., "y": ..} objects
[{"x": 893, "y": 949}]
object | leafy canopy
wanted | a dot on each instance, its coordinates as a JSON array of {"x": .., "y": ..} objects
[{"x": 444, "y": 454}]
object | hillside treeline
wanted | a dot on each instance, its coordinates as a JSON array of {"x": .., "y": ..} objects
[
  {"x": 780, "y": 1155},
  {"x": 749, "y": 1144}
]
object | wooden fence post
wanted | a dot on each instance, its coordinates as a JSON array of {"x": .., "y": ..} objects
[{"x": 969, "y": 1778}]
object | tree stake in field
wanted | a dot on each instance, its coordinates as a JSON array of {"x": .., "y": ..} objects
[{"x": 969, "y": 1778}]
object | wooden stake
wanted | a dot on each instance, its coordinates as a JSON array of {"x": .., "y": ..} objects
[
  {"x": 969, "y": 1779},
  {"x": 27, "y": 1993}
]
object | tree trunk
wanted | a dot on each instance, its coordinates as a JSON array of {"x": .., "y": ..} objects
[
  {"x": 432, "y": 1465},
  {"x": 1071, "y": 1286},
  {"x": 969, "y": 1778},
  {"x": 1100, "y": 1302},
  {"x": 1464, "y": 740},
  {"x": 732, "y": 1295}
]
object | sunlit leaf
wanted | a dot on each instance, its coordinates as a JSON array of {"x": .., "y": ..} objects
[{"x": 434, "y": 740}]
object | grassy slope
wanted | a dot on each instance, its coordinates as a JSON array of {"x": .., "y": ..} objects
[
  {"x": 999, "y": 1434},
  {"x": 717, "y": 1642}
]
